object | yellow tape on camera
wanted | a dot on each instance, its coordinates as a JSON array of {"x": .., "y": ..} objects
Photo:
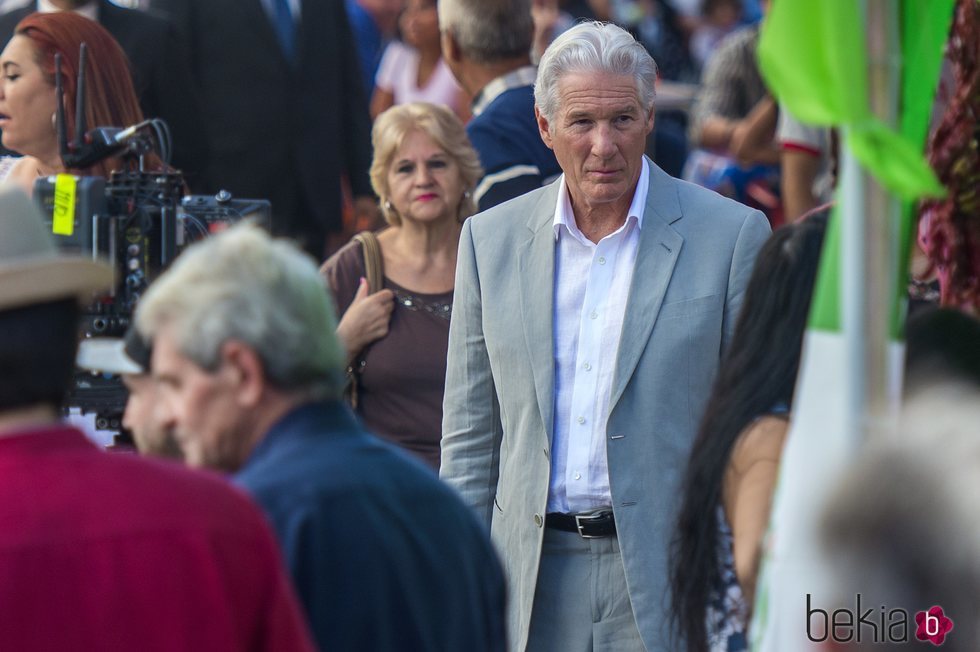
[{"x": 63, "y": 222}]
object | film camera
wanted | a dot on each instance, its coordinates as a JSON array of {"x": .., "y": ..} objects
[{"x": 138, "y": 220}]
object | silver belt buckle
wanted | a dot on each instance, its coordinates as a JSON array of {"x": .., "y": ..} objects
[{"x": 581, "y": 520}]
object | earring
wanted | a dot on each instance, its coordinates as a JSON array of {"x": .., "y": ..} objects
[
  {"x": 387, "y": 204},
  {"x": 54, "y": 121},
  {"x": 467, "y": 194}
]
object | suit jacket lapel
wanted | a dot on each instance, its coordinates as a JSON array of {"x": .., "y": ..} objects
[
  {"x": 659, "y": 247},
  {"x": 536, "y": 264}
]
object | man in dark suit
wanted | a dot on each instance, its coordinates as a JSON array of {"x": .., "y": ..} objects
[
  {"x": 161, "y": 71},
  {"x": 286, "y": 116},
  {"x": 383, "y": 554}
]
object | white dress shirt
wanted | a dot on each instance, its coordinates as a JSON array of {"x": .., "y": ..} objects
[{"x": 592, "y": 283}]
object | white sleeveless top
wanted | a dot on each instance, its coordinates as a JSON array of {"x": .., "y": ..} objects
[
  {"x": 398, "y": 74},
  {"x": 7, "y": 164}
]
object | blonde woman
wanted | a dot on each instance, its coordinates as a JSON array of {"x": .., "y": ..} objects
[{"x": 424, "y": 172}]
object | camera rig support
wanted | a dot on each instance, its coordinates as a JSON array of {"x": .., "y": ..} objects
[{"x": 138, "y": 221}]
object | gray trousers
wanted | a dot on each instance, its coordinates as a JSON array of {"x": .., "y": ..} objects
[{"x": 581, "y": 603}]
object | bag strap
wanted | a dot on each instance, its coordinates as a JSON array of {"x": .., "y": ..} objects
[{"x": 373, "y": 261}]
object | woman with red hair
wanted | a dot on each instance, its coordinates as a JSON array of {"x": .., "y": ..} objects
[{"x": 28, "y": 98}]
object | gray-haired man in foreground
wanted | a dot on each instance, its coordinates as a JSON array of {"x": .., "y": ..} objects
[{"x": 384, "y": 555}]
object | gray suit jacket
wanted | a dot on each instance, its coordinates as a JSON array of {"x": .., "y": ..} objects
[{"x": 694, "y": 260}]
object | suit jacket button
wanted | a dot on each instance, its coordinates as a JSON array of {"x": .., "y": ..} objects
[{"x": 537, "y": 520}]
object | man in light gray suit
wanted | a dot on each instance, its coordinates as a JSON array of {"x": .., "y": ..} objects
[{"x": 588, "y": 323}]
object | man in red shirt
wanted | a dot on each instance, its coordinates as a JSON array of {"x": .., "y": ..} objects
[{"x": 101, "y": 551}]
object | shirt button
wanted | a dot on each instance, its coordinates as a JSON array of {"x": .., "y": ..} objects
[
  {"x": 602, "y": 260},
  {"x": 537, "y": 520},
  {"x": 581, "y": 419},
  {"x": 594, "y": 315},
  {"x": 587, "y": 366},
  {"x": 578, "y": 476}
]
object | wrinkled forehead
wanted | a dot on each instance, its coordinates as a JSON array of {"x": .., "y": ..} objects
[{"x": 587, "y": 90}]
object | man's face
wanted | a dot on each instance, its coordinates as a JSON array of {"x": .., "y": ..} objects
[
  {"x": 598, "y": 136},
  {"x": 202, "y": 405},
  {"x": 148, "y": 418}
]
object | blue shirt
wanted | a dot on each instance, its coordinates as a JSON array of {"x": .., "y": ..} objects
[
  {"x": 384, "y": 556},
  {"x": 505, "y": 134}
]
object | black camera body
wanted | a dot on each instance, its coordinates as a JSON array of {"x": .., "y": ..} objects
[{"x": 138, "y": 222}]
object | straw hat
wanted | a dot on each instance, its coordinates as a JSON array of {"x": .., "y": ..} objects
[{"x": 32, "y": 270}]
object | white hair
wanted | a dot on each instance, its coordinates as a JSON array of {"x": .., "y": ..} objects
[
  {"x": 243, "y": 285},
  {"x": 488, "y": 31},
  {"x": 598, "y": 48}
]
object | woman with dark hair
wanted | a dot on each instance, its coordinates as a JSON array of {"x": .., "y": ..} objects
[
  {"x": 28, "y": 98},
  {"x": 735, "y": 458},
  {"x": 414, "y": 70}
]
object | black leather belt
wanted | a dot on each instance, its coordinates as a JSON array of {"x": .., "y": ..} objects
[{"x": 590, "y": 525}]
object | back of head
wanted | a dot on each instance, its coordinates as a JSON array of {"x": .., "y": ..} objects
[
  {"x": 110, "y": 98},
  {"x": 244, "y": 286},
  {"x": 602, "y": 48},
  {"x": 941, "y": 345},
  {"x": 37, "y": 353},
  {"x": 777, "y": 299},
  {"x": 489, "y": 31},
  {"x": 40, "y": 290},
  {"x": 902, "y": 529}
]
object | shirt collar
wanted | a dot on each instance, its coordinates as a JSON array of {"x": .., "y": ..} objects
[
  {"x": 523, "y": 76},
  {"x": 90, "y": 11},
  {"x": 565, "y": 217}
]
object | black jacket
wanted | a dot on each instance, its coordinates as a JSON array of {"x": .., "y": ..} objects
[{"x": 288, "y": 132}]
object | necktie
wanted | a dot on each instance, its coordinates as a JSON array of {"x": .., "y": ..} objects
[{"x": 285, "y": 27}]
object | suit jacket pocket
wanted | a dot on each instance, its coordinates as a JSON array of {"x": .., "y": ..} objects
[{"x": 687, "y": 308}]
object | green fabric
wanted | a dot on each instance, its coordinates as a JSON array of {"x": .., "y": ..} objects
[
  {"x": 812, "y": 55},
  {"x": 825, "y": 308},
  {"x": 922, "y": 55}
]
